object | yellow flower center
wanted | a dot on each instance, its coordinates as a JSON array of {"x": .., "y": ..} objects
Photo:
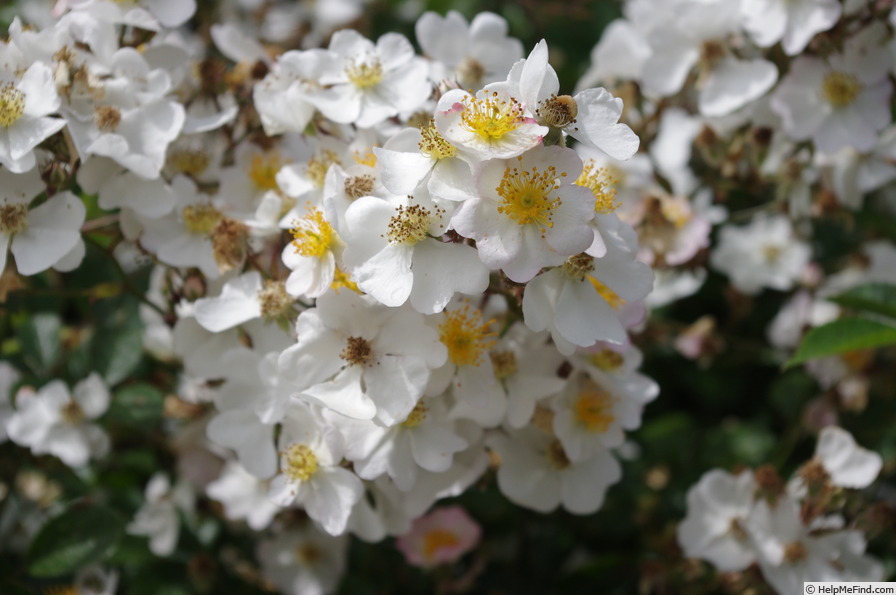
[
  {"x": 504, "y": 364},
  {"x": 368, "y": 158},
  {"x": 607, "y": 360},
  {"x": 274, "y": 299},
  {"x": 438, "y": 539},
  {"x": 608, "y": 294},
  {"x": 72, "y": 413},
  {"x": 358, "y": 186},
  {"x": 201, "y": 219},
  {"x": 364, "y": 73},
  {"x": 358, "y": 351},
  {"x": 12, "y": 104},
  {"x": 409, "y": 225},
  {"x": 342, "y": 280},
  {"x": 772, "y": 253},
  {"x": 526, "y": 195},
  {"x": 299, "y": 462},
  {"x": 593, "y": 408},
  {"x": 492, "y": 117},
  {"x": 466, "y": 336},
  {"x": 840, "y": 88},
  {"x": 433, "y": 145},
  {"x": 602, "y": 184},
  {"x": 263, "y": 170},
  {"x": 13, "y": 218},
  {"x": 189, "y": 162},
  {"x": 106, "y": 117},
  {"x": 312, "y": 234},
  {"x": 319, "y": 165},
  {"x": 416, "y": 417}
]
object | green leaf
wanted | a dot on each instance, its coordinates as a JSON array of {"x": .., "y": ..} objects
[
  {"x": 117, "y": 347},
  {"x": 137, "y": 404},
  {"x": 879, "y": 298},
  {"x": 75, "y": 539},
  {"x": 39, "y": 337},
  {"x": 840, "y": 336}
]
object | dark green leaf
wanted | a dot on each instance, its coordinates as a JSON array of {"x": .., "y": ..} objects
[
  {"x": 118, "y": 348},
  {"x": 137, "y": 404},
  {"x": 39, "y": 336},
  {"x": 75, "y": 539},
  {"x": 840, "y": 336},
  {"x": 879, "y": 298}
]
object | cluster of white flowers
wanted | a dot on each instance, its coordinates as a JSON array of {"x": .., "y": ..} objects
[
  {"x": 383, "y": 272},
  {"x": 791, "y": 531}
]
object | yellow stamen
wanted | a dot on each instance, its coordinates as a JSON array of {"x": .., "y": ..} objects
[
  {"x": 840, "y": 88},
  {"x": 492, "y": 117},
  {"x": 433, "y": 145},
  {"x": 438, "y": 539},
  {"x": 12, "y": 105},
  {"x": 608, "y": 294},
  {"x": 527, "y": 195},
  {"x": 466, "y": 336},
  {"x": 201, "y": 219},
  {"x": 299, "y": 462},
  {"x": 312, "y": 234},
  {"x": 602, "y": 184},
  {"x": 318, "y": 166},
  {"x": 607, "y": 360},
  {"x": 416, "y": 417},
  {"x": 593, "y": 408},
  {"x": 409, "y": 225},
  {"x": 13, "y": 218},
  {"x": 364, "y": 73},
  {"x": 263, "y": 170}
]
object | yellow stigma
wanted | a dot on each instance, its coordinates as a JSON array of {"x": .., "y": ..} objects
[
  {"x": 433, "y": 145},
  {"x": 299, "y": 462},
  {"x": 312, "y": 234},
  {"x": 201, "y": 219},
  {"x": 274, "y": 299},
  {"x": 364, "y": 73},
  {"x": 526, "y": 195},
  {"x": 409, "y": 225},
  {"x": 593, "y": 408},
  {"x": 416, "y": 417},
  {"x": 466, "y": 336},
  {"x": 341, "y": 280},
  {"x": 318, "y": 166},
  {"x": 578, "y": 266},
  {"x": 358, "y": 351},
  {"x": 840, "y": 88},
  {"x": 438, "y": 539},
  {"x": 189, "y": 162},
  {"x": 504, "y": 364},
  {"x": 12, "y": 104},
  {"x": 13, "y": 218},
  {"x": 492, "y": 117},
  {"x": 608, "y": 294},
  {"x": 263, "y": 170},
  {"x": 607, "y": 360},
  {"x": 602, "y": 184}
]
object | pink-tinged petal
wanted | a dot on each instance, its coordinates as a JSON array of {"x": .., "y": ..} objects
[
  {"x": 53, "y": 229},
  {"x": 439, "y": 537}
]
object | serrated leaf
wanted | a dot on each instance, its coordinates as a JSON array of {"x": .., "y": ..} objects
[
  {"x": 879, "y": 298},
  {"x": 75, "y": 539},
  {"x": 840, "y": 336},
  {"x": 40, "y": 341}
]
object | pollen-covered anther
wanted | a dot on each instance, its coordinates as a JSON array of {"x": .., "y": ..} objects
[
  {"x": 312, "y": 234},
  {"x": 504, "y": 363},
  {"x": 263, "y": 170},
  {"x": 578, "y": 266},
  {"x": 526, "y": 195},
  {"x": 593, "y": 408},
  {"x": 201, "y": 219},
  {"x": 466, "y": 336},
  {"x": 299, "y": 462},
  {"x": 433, "y": 145},
  {"x": 106, "y": 117},
  {"x": 409, "y": 225},
  {"x": 12, "y": 104},
  {"x": 274, "y": 299},
  {"x": 13, "y": 218},
  {"x": 602, "y": 184},
  {"x": 492, "y": 117},
  {"x": 358, "y": 186},
  {"x": 416, "y": 417},
  {"x": 557, "y": 455},
  {"x": 358, "y": 351},
  {"x": 840, "y": 89},
  {"x": 72, "y": 413},
  {"x": 190, "y": 162},
  {"x": 607, "y": 360},
  {"x": 557, "y": 111},
  {"x": 364, "y": 73},
  {"x": 229, "y": 243}
]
